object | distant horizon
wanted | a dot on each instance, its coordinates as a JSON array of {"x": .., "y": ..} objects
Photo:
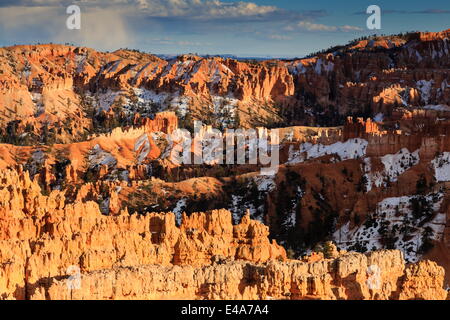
[
  {"x": 224, "y": 55},
  {"x": 251, "y": 28}
]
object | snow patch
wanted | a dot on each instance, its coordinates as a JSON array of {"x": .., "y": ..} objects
[
  {"x": 163, "y": 100},
  {"x": 425, "y": 89},
  {"x": 104, "y": 100},
  {"x": 179, "y": 209},
  {"x": 439, "y": 107},
  {"x": 38, "y": 102},
  {"x": 142, "y": 148},
  {"x": 225, "y": 109},
  {"x": 265, "y": 183},
  {"x": 80, "y": 60},
  {"x": 394, "y": 222},
  {"x": 299, "y": 68},
  {"x": 321, "y": 65},
  {"x": 351, "y": 149},
  {"x": 397, "y": 164},
  {"x": 379, "y": 117},
  {"x": 441, "y": 165},
  {"x": 99, "y": 157}
]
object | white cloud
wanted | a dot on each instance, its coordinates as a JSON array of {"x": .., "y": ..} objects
[
  {"x": 315, "y": 26},
  {"x": 310, "y": 26},
  {"x": 17, "y": 16},
  {"x": 104, "y": 29},
  {"x": 162, "y": 8},
  {"x": 201, "y": 8},
  {"x": 166, "y": 41},
  {"x": 347, "y": 28},
  {"x": 279, "y": 37},
  {"x": 161, "y": 25}
]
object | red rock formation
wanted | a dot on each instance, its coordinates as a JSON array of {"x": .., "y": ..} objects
[
  {"x": 48, "y": 83},
  {"x": 360, "y": 128},
  {"x": 166, "y": 122},
  {"x": 431, "y": 36},
  {"x": 413, "y": 286},
  {"x": 343, "y": 278},
  {"x": 52, "y": 221},
  {"x": 42, "y": 236}
]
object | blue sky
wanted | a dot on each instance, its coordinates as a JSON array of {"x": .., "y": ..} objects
[{"x": 278, "y": 28}]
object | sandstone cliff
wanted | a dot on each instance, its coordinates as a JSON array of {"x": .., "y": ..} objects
[
  {"x": 347, "y": 277},
  {"x": 42, "y": 236},
  {"x": 59, "y": 92},
  {"x": 84, "y": 166},
  {"x": 148, "y": 257}
]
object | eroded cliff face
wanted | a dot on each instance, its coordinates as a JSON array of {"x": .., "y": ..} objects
[
  {"x": 42, "y": 236},
  {"x": 367, "y": 185},
  {"x": 73, "y": 89},
  {"x": 61, "y": 92},
  {"x": 87, "y": 203},
  {"x": 346, "y": 277},
  {"x": 45, "y": 238}
]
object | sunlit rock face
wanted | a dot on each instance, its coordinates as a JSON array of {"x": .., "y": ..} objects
[
  {"x": 64, "y": 86},
  {"x": 92, "y": 205}
]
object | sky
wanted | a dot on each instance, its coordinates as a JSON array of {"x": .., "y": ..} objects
[{"x": 256, "y": 28}]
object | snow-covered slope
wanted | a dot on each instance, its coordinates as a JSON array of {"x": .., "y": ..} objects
[
  {"x": 350, "y": 149},
  {"x": 402, "y": 222}
]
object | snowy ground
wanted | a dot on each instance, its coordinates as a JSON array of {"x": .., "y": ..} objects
[
  {"x": 179, "y": 209},
  {"x": 296, "y": 69},
  {"x": 225, "y": 109},
  {"x": 99, "y": 157},
  {"x": 397, "y": 164},
  {"x": 80, "y": 60},
  {"x": 104, "y": 100},
  {"x": 321, "y": 65},
  {"x": 238, "y": 206},
  {"x": 38, "y": 102},
  {"x": 379, "y": 117},
  {"x": 394, "y": 217},
  {"x": 241, "y": 202},
  {"x": 142, "y": 148},
  {"x": 441, "y": 167},
  {"x": 38, "y": 158},
  {"x": 291, "y": 219},
  {"x": 351, "y": 149},
  {"x": 424, "y": 88},
  {"x": 394, "y": 166},
  {"x": 265, "y": 183},
  {"x": 439, "y": 107},
  {"x": 145, "y": 95},
  {"x": 147, "y": 100}
]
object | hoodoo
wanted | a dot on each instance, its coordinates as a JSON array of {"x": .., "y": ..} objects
[{"x": 127, "y": 175}]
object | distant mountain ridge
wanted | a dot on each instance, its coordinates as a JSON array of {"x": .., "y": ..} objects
[{"x": 45, "y": 85}]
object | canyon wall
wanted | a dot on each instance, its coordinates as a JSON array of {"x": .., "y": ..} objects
[
  {"x": 84, "y": 167},
  {"x": 42, "y": 236},
  {"x": 123, "y": 256},
  {"x": 60, "y": 86},
  {"x": 346, "y": 277}
]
